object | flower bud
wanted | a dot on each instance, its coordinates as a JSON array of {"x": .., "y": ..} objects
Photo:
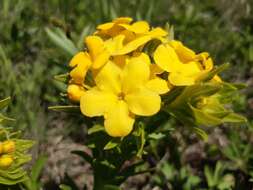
[
  {"x": 1, "y": 147},
  {"x": 8, "y": 146},
  {"x": 75, "y": 92},
  {"x": 6, "y": 161}
]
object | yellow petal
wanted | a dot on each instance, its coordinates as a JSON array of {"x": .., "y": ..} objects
[
  {"x": 143, "y": 102},
  {"x": 216, "y": 78},
  {"x": 208, "y": 64},
  {"x": 158, "y": 32},
  {"x": 114, "y": 44},
  {"x": 122, "y": 20},
  {"x": 100, "y": 60},
  {"x": 133, "y": 45},
  {"x": 78, "y": 74},
  {"x": 95, "y": 45},
  {"x": 109, "y": 78},
  {"x": 190, "y": 68},
  {"x": 118, "y": 121},
  {"x": 139, "y": 27},
  {"x": 166, "y": 58},
  {"x": 158, "y": 85},
  {"x": 178, "y": 79},
  {"x": 184, "y": 53},
  {"x": 96, "y": 103},
  {"x": 136, "y": 73},
  {"x": 75, "y": 92},
  {"x": 105, "y": 26},
  {"x": 81, "y": 57}
]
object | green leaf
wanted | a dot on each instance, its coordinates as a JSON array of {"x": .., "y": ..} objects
[
  {"x": 83, "y": 155},
  {"x": 5, "y": 102},
  {"x": 111, "y": 144},
  {"x": 58, "y": 37},
  {"x": 5, "y": 120},
  {"x": 65, "y": 187},
  {"x": 156, "y": 136},
  {"x": 201, "y": 133},
  {"x": 67, "y": 108},
  {"x": 234, "y": 118},
  {"x": 37, "y": 168},
  {"x": 62, "y": 77},
  {"x": 95, "y": 129},
  {"x": 203, "y": 118},
  {"x": 111, "y": 187}
]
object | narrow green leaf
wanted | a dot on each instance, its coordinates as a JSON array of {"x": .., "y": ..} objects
[
  {"x": 83, "y": 155},
  {"x": 65, "y": 187},
  {"x": 111, "y": 144},
  {"x": 37, "y": 168},
  {"x": 67, "y": 108},
  {"x": 95, "y": 129},
  {"x": 4, "y": 102},
  {"x": 62, "y": 78},
  {"x": 59, "y": 38},
  {"x": 156, "y": 136}
]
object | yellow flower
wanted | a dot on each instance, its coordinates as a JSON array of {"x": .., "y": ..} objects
[
  {"x": 6, "y": 161},
  {"x": 8, "y": 147},
  {"x": 75, "y": 92},
  {"x": 98, "y": 53},
  {"x": 183, "y": 65},
  {"x": 156, "y": 83},
  {"x": 138, "y": 41},
  {"x": 120, "y": 94},
  {"x": 81, "y": 63},
  {"x": 113, "y": 28}
]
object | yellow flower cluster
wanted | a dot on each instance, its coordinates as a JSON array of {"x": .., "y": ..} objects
[
  {"x": 7, "y": 149},
  {"x": 116, "y": 78}
]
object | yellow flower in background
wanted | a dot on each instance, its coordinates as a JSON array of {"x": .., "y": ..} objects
[
  {"x": 6, "y": 161},
  {"x": 8, "y": 147},
  {"x": 120, "y": 94}
]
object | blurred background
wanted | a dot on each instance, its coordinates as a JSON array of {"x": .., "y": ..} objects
[{"x": 36, "y": 41}]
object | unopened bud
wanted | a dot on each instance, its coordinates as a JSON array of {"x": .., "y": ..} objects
[
  {"x": 8, "y": 147},
  {"x": 1, "y": 147},
  {"x": 6, "y": 161},
  {"x": 75, "y": 92}
]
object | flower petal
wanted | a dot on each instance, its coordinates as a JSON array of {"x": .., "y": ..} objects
[
  {"x": 143, "y": 102},
  {"x": 118, "y": 121},
  {"x": 114, "y": 44},
  {"x": 95, "y": 45},
  {"x": 166, "y": 58},
  {"x": 109, "y": 78},
  {"x": 96, "y": 103},
  {"x": 158, "y": 32},
  {"x": 78, "y": 74},
  {"x": 136, "y": 73},
  {"x": 184, "y": 53},
  {"x": 81, "y": 57},
  {"x": 158, "y": 85},
  {"x": 122, "y": 20},
  {"x": 178, "y": 79},
  {"x": 100, "y": 60},
  {"x": 139, "y": 27},
  {"x": 133, "y": 45}
]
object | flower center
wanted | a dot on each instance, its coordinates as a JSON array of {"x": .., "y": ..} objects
[{"x": 121, "y": 96}]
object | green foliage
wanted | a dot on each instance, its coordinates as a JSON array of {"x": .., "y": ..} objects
[
  {"x": 216, "y": 179},
  {"x": 30, "y": 56}
]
